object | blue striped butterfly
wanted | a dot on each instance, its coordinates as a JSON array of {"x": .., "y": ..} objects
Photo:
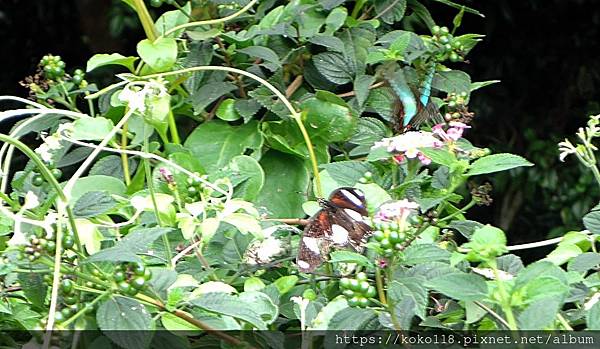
[{"x": 411, "y": 111}]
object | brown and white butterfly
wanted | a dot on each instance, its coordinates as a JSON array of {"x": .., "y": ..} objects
[{"x": 339, "y": 223}]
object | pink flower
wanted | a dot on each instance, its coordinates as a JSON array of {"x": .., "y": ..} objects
[
  {"x": 399, "y": 210},
  {"x": 456, "y": 130},
  {"x": 424, "y": 159}
]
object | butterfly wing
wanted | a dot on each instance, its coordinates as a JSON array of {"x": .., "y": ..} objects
[
  {"x": 314, "y": 243},
  {"x": 349, "y": 212}
]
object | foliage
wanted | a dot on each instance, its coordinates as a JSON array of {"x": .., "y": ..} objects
[{"x": 184, "y": 178}]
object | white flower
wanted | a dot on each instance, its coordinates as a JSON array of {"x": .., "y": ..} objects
[
  {"x": 44, "y": 152},
  {"x": 136, "y": 96},
  {"x": 31, "y": 201},
  {"x": 264, "y": 251},
  {"x": 65, "y": 129},
  {"x": 409, "y": 143},
  {"x": 566, "y": 148},
  {"x": 398, "y": 209}
]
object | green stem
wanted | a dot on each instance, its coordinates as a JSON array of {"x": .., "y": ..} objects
[
  {"x": 124, "y": 159},
  {"x": 145, "y": 19},
  {"x": 357, "y": 7},
  {"x": 505, "y": 298},
  {"x": 150, "y": 182},
  {"x": 173, "y": 129},
  {"x": 311, "y": 153},
  {"x": 379, "y": 284},
  {"x": 85, "y": 308},
  {"x": 460, "y": 211}
]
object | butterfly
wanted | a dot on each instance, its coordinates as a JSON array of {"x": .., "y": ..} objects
[
  {"x": 339, "y": 223},
  {"x": 411, "y": 111}
]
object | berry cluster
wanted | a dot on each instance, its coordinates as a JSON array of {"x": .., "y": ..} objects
[
  {"x": 366, "y": 178},
  {"x": 389, "y": 238},
  {"x": 131, "y": 278},
  {"x": 450, "y": 47},
  {"x": 357, "y": 291},
  {"x": 78, "y": 77},
  {"x": 195, "y": 188},
  {"x": 456, "y": 103},
  {"x": 53, "y": 67},
  {"x": 37, "y": 179}
]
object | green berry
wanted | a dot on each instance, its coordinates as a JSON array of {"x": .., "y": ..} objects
[
  {"x": 50, "y": 247},
  {"x": 147, "y": 274},
  {"x": 444, "y": 30},
  {"x": 56, "y": 173},
  {"x": 138, "y": 282},
  {"x": 368, "y": 175},
  {"x": 70, "y": 300},
  {"x": 378, "y": 235},
  {"x": 37, "y": 180},
  {"x": 124, "y": 287},
  {"x": 398, "y": 246},
  {"x": 138, "y": 269},
  {"x": 156, "y": 3},
  {"x": 66, "y": 286},
  {"x": 348, "y": 293},
  {"x": 192, "y": 191},
  {"x": 364, "y": 287},
  {"x": 388, "y": 252},
  {"x": 119, "y": 276},
  {"x": 59, "y": 317},
  {"x": 435, "y": 29},
  {"x": 363, "y": 302},
  {"x": 385, "y": 243},
  {"x": 454, "y": 57},
  {"x": 345, "y": 283},
  {"x": 354, "y": 301},
  {"x": 361, "y": 276},
  {"x": 354, "y": 285},
  {"x": 371, "y": 292},
  {"x": 394, "y": 237},
  {"x": 68, "y": 242}
]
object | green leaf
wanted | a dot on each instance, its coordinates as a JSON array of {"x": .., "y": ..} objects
[
  {"x": 254, "y": 284},
  {"x": 361, "y": 88},
  {"x": 34, "y": 287},
  {"x": 160, "y": 55},
  {"x": 179, "y": 325},
  {"x": 345, "y": 173},
  {"x": 537, "y": 269},
  {"x": 261, "y": 304},
  {"x": 422, "y": 253},
  {"x": 111, "y": 165},
  {"x": 496, "y": 163},
  {"x": 466, "y": 228},
  {"x": 125, "y": 250},
  {"x": 126, "y": 322},
  {"x": 353, "y": 319},
  {"x": 286, "y": 181},
  {"x": 413, "y": 287},
  {"x": 381, "y": 101},
  {"x": 331, "y": 42},
  {"x": 216, "y": 143},
  {"x": 247, "y": 108},
  {"x": 171, "y": 19},
  {"x": 102, "y": 59},
  {"x": 452, "y": 81},
  {"x": 481, "y": 84},
  {"x": 252, "y": 177},
  {"x": 109, "y": 184},
  {"x": 335, "y": 20},
  {"x": 591, "y": 221},
  {"x": 286, "y": 137},
  {"x": 592, "y": 317},
  {"x": 209, "y": 93},
  {"x": 584, "y": 262},
  {"x": 539, "y": 314},
  {"x": 368, "y": 131},
  {"x": 321, "y": 321},
  {"x": 440, "y": 156},
  {"x": 334, "y": 67},
  {"x": 270, "y": 59},
  {"x": 374, "y": 194},
  {"x": 226, "y": 110},
  {"x": 390, "y": 11},
  {"x": 545, "y": 287},
  {"x": 222, "y": 303},
  {"x": 285, "y": 283},
  {"x": 563, "y": 253},
  {"x": 349, "y": 257},
  {"x": 91, "y": 129},
  {"x": 460, "y": 286},
  {"x": 326, "y": 120},
  {"x": 93, "y": 203},
  {"x": 510, "y": 263},
  {"x": 487, "y": 242}
]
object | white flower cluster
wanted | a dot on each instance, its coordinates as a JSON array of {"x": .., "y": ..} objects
[
  {"x": 137, "y": 94},
  {"x": 52, "y": 142}
]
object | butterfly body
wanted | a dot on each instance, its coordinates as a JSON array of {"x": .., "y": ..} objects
[
  {"x": 339, "y": 223},
  {"x": 413, "y": 111}
]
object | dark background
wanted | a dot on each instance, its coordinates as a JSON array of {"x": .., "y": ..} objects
[{"x": 545, "y": 52}]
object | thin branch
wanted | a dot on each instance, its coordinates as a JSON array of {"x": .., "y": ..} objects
[{"x": 352, "y": 93}]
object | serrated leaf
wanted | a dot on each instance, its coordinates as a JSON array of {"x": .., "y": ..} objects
[
  {"x": 421, "y": 253},
  {"x": 349, "y": 257},
  {"x": 247, "y": 108},
  {"x": 331, "y": 42},
  {"x": 584, "y": 262},
  {"x": 592, "y": 317},
  {"x": 326, "y": 119},
  {"x": 361, "y": 87},
  {"x": 466, "y": 228},
  {"x": 270, "y": 58},
  {"x": 452, "y": 81},
  {"x": 209, "y": 93},
  {"x": 496, "y": 163},
  {"x": 440, "y": 156},
  {"x": 334, "y": 67},
  {"x": 103, "y": 59},
  {"x": 539, "y": 314},
  {"x": 93, "y": 203},
  {"x": 225, "y": 304},
  {"x": 353, "y": 319},
  {"x": 84, "y": 185},
  {"x": 261, "y": 304},
  {"x": 171, "y": 19},
  {"x": 368, "y": 131},
  {"x": 390, "y": 11},
  {"x": 112, "y": 165},
  {"x": 460, "y": 286},
  {"x": 591, "y": 221},
  {"x": 545, "y": 287},
  {"x": 34, "y": 287},
  {"x": 136, "y": 241},
  {"x": 126, "y": 322}
]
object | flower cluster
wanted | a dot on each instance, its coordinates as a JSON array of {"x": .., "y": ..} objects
[
  {"x": 584, "y": 150},
  {"x": 52, "y": 142},
  {"x": 407, "y": 145},
  {"x": 136, "y": 95}
]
